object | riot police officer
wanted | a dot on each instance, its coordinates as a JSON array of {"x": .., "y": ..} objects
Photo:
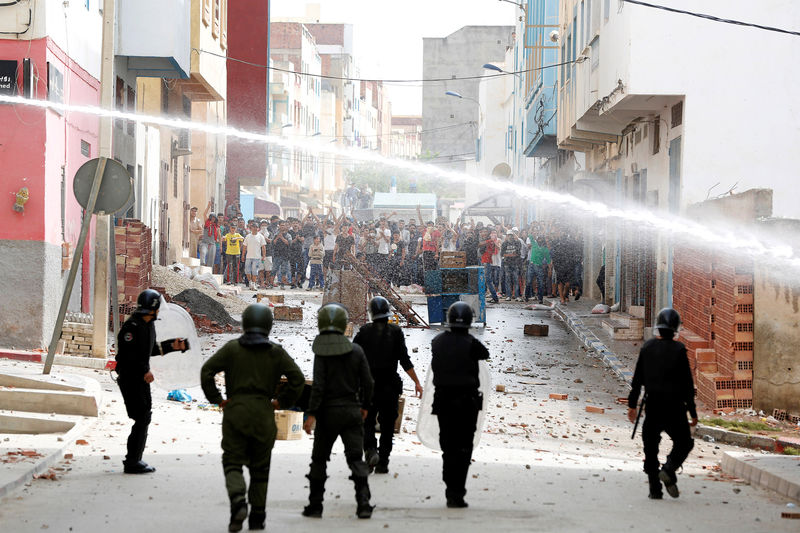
[
  {"x": 136, "y": 343},
  {"x": 384, "y": 346},
  {"x": 253, "y": 367},
  {"x": 663, "y": 369},
  {"x": 457, "y": 398},
  {"x": 340, "y": 397}
]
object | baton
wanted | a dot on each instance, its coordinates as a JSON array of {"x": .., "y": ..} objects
[{"x": 638, "y": 416}]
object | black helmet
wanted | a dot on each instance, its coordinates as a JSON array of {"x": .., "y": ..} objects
[
  {"x": 332, "y": 317},
  {"x": 148, "y": 301},
  {"x": 668, "y": 319},
  {"x": 257, "y": 318},
  {"x": 379, "y": 308},
  {"x": 459, "y": 315}
]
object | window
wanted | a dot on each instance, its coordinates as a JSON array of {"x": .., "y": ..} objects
[
  {"x": 677, "y": 114},
  {"x": 86, "y": 3},
  {"x": 86, "y": 149},
  {"x": 583, "y": 24},
  {"x": 656, "y": 135},
  {"x": 217, "y": 13},
  {"x": 207, "y": 12},
  {"x": 606, "y": 9},
  {"x": 131, "y": 109},
  {"x": 223, "y": 38}
]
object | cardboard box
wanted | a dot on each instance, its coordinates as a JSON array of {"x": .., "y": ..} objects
[{"x": 290, "y": 425}]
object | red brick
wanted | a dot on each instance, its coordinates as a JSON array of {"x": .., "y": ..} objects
[{"x": 556, "y": 396}]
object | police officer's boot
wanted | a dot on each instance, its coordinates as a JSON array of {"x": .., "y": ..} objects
[
  {"x": 316, "y": 492},
  {"x": 238, "y": 514},
  {"x": 257, "y": 518},
  {"x": 363, "y": 495},
  {"x": 371, "y": 458},
  {"x": 655, "y": 487},
  {"x": 667, "y": 475},
  {"x": 383, "y": 466}
]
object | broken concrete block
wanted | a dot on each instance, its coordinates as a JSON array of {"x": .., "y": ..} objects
[
  {"x": 284, "y": 312},
  {"x": 537, "y": 330}
]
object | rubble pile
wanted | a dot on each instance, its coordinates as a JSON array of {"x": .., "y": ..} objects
[
  {"x": 208, "y": 314},
  {"x": 175, "y": 283}
]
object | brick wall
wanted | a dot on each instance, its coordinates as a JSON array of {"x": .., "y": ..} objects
[
  {"x": 134, "y": 254},
  {"x": 713, "y": 292}
]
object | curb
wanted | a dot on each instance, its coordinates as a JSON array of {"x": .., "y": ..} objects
[
  {"x": 744, "y": 440},
  {"x": 57, "y": 454},
  {"x": 62, "y": 360},
  {"x": 593, "y": 343},
  {"x": 763, "y": 471}
]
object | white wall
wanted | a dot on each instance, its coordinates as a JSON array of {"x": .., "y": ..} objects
[{"x": 76, "y": 30}]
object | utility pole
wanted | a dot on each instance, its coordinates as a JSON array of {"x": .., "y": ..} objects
[{"x": 102, "y": 229}]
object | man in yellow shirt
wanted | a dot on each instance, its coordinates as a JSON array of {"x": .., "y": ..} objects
[{"x": 232, "y": 254}]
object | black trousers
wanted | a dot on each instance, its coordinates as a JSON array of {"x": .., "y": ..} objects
[
  {"x": 138, "y": 403},
  {"x": 332, "y": 423},
  {"x": 458, "y": 418},
  {"x": 670, "y": 419},
  {"x": 383, "y": 411}
]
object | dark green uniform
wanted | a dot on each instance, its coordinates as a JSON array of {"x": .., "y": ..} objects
[{"x": 253, "y": 367}]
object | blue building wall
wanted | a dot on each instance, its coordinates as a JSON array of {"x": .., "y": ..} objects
[{"x": 542, "y": 98}]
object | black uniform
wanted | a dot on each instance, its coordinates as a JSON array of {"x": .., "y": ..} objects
[
  {"x": 456, "y": 401},
  {"x": 342, "y": 388},
  {"x": 384, "y": 345},
  {"x": 663, "y": 370},
  {"x": 136, "y": 343}
]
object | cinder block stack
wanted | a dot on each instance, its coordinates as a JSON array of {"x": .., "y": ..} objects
[
  {"x": 77, "y": 338},
  {"x": 134, "y": 253},
  {"x": 713, "y": 292}
]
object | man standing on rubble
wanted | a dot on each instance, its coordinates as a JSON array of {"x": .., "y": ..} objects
[
  {"x": 384, "y": 346},
  {"x": 136, "y": 343},
  {"x": 253, "y": 366},
  {"x": 340, "y": 397}
]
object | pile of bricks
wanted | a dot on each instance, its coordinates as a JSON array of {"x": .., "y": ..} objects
[
  {"x": 134, "y": 253},
  {"x": 713, "y": 292},
  {"x": 77, "y": 339}
]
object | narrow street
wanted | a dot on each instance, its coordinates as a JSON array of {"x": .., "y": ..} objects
[{"x": 542, "y": 464}]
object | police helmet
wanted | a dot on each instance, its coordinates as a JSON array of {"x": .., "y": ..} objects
[
  {"x": 459, "y": 315},
  {"x": 332, "y": 317},
  {"x": 257, "y": 318},
  {"x": 668, "y": 322},
  {"x": 379, "y": 308},
  {"x": 148, "y": 301}
]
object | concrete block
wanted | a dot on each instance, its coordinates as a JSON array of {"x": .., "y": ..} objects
[
  {"x": 556, "y": 396},
  {"x": 32, "y": 401},
  {"x": 190, "y": 261},
  {"x": 20, "y": 425},
  {"x": 595, "y": 409},
  {"x": 537, "y": 330}
]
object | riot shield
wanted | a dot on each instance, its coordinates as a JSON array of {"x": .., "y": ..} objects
[
  {"x": 176, "y": 370},
  {"x": 428, "y": 423}
]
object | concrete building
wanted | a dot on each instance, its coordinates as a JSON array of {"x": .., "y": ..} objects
[
  {"x": 291, "y": 42},
  {"x": 459, "y": 55},
  {"x": 248, "y": 91},
  {"x": 406, "y": 139}
]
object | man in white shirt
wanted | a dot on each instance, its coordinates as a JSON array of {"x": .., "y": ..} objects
[
  {"x": 384, "y": 238},
  {"x": 255, "y": 251}
]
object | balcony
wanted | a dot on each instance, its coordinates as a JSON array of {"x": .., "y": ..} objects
[{"x": 154, "y": 36}]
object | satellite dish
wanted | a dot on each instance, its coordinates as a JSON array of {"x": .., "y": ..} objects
[
  {"x": 116, "y": 189},
  {"x": 501, "y": 170}
]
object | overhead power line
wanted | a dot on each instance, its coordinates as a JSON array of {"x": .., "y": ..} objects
[
  {"x": 712, "y": 17},
  {"x": 345, "y": 78}
]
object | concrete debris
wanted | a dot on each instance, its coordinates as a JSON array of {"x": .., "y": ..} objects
[
  {"x": 208, "y": 313},
  {"x": 175, "y": 283}
]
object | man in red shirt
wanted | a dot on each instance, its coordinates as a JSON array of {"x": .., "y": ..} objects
[
  {"x": 487, "y": 248},
  {"x": 431, "y": 240}
]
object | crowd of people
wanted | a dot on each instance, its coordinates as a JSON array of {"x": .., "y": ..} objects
[{"x": 537, "y": 261}]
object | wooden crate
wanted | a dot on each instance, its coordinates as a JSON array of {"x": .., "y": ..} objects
[
  {"x": 284, "y": 312},
  {"x": 537, "y": 330},
  {"x": 452, "y": 259}
]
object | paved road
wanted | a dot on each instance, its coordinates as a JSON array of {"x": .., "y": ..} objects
[{"x": 542, "y": 465}]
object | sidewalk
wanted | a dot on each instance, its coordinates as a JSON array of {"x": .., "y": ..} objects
[{"x": 773, "y": 472}]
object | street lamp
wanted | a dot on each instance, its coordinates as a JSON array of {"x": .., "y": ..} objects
[{"x": 489, "y": 66}]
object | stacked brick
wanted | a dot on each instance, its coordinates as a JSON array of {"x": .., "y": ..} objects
[
  {"x": 713, "y": 292},
  {"x": 77, "y": 339},
  {"x": 134, "y": 254}
]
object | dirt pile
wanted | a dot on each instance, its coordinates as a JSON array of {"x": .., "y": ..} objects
[
  {"x": 174, "y": 283},
  {"x": 208, "y": 314}
]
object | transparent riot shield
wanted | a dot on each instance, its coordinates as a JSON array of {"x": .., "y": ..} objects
[
  {"x": 428, "y": 423},
  {"x": 176, "y": 370}
]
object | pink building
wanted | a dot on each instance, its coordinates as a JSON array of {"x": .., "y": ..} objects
[{"x": 41, "y": 149}]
